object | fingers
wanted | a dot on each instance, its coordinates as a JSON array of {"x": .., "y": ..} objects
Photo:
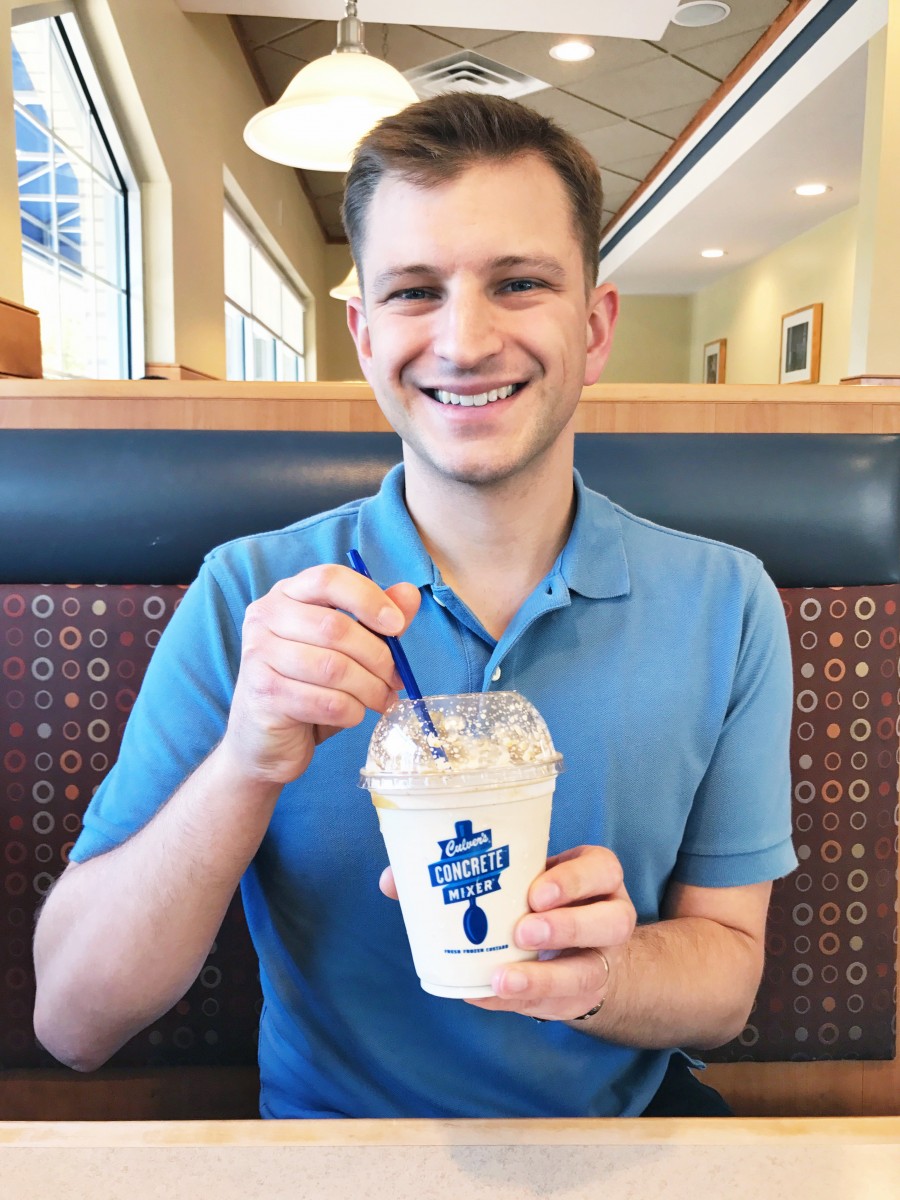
[
  {"x": 305, "y": 610},
  {"x": 324, "y": 649},
  {"x": 335, "y": 586},
  {"x": 580, "y": 905},
  {"x": 561, "y": 989},
  {"x": 407, "y": 597},
  {"x": 582, "y": 873},
  {"x": 313, "y": 660},
  {"x": 387, "y": 885}
]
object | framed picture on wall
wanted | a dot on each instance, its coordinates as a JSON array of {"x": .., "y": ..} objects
[
  {"x": 801, "y": 345},
  {"x": 714, "y": 361}
]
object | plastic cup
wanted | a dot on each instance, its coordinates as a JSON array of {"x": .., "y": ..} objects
[{"x": 466, "y": 835}]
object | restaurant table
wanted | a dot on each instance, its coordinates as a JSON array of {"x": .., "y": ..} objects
[{"x": 853, "y": 1158}]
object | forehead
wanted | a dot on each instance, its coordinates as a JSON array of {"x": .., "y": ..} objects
[{"x": 513, "y": 206}]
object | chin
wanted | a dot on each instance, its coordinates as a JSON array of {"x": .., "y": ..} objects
[{"x": 476, "y": 472}]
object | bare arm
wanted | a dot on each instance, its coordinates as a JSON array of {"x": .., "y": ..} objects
[
  {"x": 691, "y": 979},
  {"x": 122, "y": 936},
  {"x": 686, "y": 980}
]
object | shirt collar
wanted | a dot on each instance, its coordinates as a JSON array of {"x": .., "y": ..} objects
[
  {"x": 592, "y": 563},
  {"x": 389, "y": 541},
  {"x": 593, "y": 560}
]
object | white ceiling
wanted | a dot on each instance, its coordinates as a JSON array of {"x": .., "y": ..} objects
[
  {"x": 752, "y": 208},
  {"x": 598, "y": 18},
  {"x": 627, "y": 104}
]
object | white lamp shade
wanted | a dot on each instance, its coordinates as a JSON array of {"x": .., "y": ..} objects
[
  {"x": 349, "y": 286},
  {"x": 326, "y": 109}
]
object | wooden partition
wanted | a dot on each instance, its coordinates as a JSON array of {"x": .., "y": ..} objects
[
  {"x": 804, "y": 1089},
  {"x": 616, "y": 408}
]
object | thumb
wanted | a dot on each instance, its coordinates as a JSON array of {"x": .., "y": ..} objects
[
  {"x": 387, "y": 885},
  {"x": 407, "y": 598}
]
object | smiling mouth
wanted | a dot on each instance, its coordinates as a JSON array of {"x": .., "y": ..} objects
[{"x": 478, "y": 401}]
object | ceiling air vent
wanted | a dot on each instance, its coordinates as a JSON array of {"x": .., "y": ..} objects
[{"x": 467, "y": 71}]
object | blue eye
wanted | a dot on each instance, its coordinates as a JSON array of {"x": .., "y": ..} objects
[
  {"x": 522, "y": 285},
  {"x": 411, "y": 293}
]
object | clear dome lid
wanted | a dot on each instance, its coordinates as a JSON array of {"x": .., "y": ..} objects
[{"x": 477, "y": 738}]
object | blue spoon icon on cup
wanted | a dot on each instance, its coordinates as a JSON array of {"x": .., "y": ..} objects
[{"x": 475, "y": 922}]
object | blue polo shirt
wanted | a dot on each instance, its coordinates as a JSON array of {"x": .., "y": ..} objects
[{"x": 660, "y": 662}]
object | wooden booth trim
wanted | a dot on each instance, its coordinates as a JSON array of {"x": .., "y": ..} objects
[{"x": 350, "y": 406}]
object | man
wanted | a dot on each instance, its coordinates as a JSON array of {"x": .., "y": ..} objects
[{"x": 659, "y": 661}]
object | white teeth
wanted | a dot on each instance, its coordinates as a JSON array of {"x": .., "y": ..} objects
[{"x": 477, "y": 401}]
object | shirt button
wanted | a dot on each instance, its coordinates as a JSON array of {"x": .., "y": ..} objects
[{"x": 496, "y": 675}]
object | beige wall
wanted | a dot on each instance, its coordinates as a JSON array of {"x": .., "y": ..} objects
[
  {"x": 182, "y": 87},
  {"x": 652, "y": 340},
  {"x": 341, "y": 361},
  {"x": 746, "y": 306},
  {"x": 875, "y": 348}
]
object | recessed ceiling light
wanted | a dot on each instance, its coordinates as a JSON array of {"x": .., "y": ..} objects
[
  {"x": 572, "y": 51},
  {"x": 812, "y": 189},
  {"x": 701, "y": 12},
  {"x": 712, "y": 253}
]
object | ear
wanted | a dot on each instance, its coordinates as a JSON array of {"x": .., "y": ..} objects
[
  {"x": 602, "y": 316},
  {"x": 359, "y": 331}
]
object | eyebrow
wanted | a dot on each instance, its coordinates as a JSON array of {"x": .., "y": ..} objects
[{"x": 549, "y": 266}]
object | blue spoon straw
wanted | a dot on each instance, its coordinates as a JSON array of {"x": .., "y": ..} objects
[{"x": 405, "y": 672}]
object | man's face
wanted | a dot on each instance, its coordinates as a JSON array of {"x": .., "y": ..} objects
[{"x": 476, "y": 333}]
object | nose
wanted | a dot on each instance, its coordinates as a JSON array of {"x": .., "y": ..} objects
[{"x": 467, "y": 331}]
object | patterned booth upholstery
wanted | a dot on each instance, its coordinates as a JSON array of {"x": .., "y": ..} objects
[{"x": 102, "y": 530}]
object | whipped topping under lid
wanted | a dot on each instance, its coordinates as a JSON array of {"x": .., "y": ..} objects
[{"x": 484, "y": 737}]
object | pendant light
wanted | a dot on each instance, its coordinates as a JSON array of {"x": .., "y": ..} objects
[
  {"x": 330, "y": 105},
  {"x": 349, "y": 286}
]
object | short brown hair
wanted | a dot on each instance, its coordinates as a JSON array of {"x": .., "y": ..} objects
[{"x": 435, "y": 140}]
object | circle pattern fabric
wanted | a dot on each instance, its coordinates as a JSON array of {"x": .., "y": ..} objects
[
  {"x": 829, "y": 988},
  {"x": 71, "y": 663}
]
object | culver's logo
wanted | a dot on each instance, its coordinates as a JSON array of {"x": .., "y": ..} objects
[
  {"x": 461, "y": 845},
  {"x": 469, "y": 868}
]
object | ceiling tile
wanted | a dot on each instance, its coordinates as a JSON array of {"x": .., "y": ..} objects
[
  {"x": 638, "y": 168},
  {"x": 406, "y": 45},
  {"x": 617, "y": 143},
  {"x": 530, "y": 52},
  {"x": 467, "y": 39},
  {"x": 720, "y": 58},
  {"x": 616, "y": 189},
  {"x": 260, "y": 30},
  {"x": 745, "y": 14},
  {"x": 325, "y": 183},
  {"x": 577, "y": 116},
  {"x": 647, "y": 88},
  {"x": 312, "y": 40},
  {"x": 277, "y": 69},
  {"x": 671, "y": 121},
  {"x": 330, "y": 210}
]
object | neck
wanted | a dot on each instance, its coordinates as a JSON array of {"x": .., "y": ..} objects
[{"x": 493, "y": 543}]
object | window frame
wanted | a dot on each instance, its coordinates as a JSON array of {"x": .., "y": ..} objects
[
  {"x": 286, "y": 276},
  {"x": 102, "y": 120}
]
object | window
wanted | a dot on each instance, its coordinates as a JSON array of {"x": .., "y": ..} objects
[
  {"x": 73, "y": 203},
  {"x": 263, "y": 312}
]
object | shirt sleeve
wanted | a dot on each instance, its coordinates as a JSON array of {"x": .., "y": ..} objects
[
  {"x": 739, "y": 828},
  {"x": 179, "y": 717}
]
